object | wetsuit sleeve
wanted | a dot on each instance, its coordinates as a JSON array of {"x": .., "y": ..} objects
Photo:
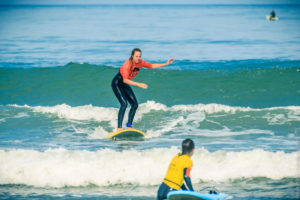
[
  {"x": 146, "y": 64},
  {"x": 124, "y": 70},
  {"x": 187, "y": 180}
]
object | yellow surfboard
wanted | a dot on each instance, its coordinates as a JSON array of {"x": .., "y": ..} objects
[
  {"x": 127, "y": 134},
  {"x": 271, "y": 18}
]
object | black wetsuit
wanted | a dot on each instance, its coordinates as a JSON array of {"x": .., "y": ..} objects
[
  {"x": 124, "y": 93},
  {"x": 272, "y": 14}
]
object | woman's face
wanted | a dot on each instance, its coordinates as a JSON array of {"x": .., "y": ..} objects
[{"x": 136, "y": 56}]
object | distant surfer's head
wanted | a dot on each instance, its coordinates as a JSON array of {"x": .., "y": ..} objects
[
  {"x": 136, "y": 54},
  {"x": 188, "y": 146}
]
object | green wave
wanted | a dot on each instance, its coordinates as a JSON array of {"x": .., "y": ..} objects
[{"x": 81, "y": 84}]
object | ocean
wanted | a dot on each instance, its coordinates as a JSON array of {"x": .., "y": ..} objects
[{"x": 234, "y": 88}]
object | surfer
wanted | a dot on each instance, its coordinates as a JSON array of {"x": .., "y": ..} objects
[
  {"x": 122, "y": 81},
  {"x": 272, "y": 14},
  {"x": 178, "y": 174}
]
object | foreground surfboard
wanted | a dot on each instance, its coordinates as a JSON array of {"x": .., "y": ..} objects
[
  {"x": 127, "y": 134},
  {"x": 188, "y": 195}
]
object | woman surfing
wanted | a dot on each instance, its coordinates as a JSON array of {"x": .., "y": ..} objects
[{"x": 123, "y": 80}]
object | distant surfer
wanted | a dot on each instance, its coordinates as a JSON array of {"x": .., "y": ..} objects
[
  {"x": 272, "y": 14},
  {"x": 122, "y": 81},
  {"x": 178, "y": 174}
]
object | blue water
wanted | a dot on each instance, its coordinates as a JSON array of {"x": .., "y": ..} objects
[
  {"x": 55, "y": 35},
  {"x": 233, "y": 88}
]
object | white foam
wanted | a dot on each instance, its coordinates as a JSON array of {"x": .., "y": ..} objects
[
  {"x": 225, "y": 132},
  {"x": 183, "y": 118},
  {"x": 99, "y": 133},
  {"x": 61, "y": 167},
  {"x": 20, "y": 115},
  {"x": 279, "y": 119},
  {"x": 168, "y": 126},
  {"x": 88, "y": 112},
  {"x": 182, "y": 124},
  {"x": 211, "y": 108}
]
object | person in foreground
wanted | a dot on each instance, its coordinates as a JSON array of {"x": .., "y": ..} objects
[
  {"x": 178, "y": 174},
  {"x": 122, "y": 81}
]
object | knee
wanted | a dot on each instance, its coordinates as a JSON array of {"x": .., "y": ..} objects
[
  {"x": 123, "y": 105},
  {"x": 134, "y": 106}
]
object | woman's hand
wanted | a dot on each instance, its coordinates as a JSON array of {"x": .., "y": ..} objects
[
  {"x": 130, "y": 82},
  {"x": 142, "y": 85},
  {"x": 170, "y": 61}
]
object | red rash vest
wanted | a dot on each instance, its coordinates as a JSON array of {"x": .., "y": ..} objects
[{"x": 130, "y": 74}]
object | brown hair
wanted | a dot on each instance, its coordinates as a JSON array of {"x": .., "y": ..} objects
[{"x": 131, "y": 58}]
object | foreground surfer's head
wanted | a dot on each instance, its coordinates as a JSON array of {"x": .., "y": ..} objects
[
  {"x": 136, "y": 54},
  {"x": 188, "y": 147}
]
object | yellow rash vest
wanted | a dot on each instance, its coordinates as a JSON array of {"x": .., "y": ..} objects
[{"x": 174, "y": 177}]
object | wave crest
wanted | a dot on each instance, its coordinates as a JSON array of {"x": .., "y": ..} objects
[{"x": 61, "y": 167}]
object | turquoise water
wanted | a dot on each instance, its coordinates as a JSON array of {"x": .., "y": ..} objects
[
  {"x": 253, "y": 83},
  {"x": 233, "y": 88}
]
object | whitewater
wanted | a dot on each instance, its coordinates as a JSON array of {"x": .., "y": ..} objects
[{"x": 233, "y": 89}]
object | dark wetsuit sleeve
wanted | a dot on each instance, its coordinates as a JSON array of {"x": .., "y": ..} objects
[{"x": 187, "y": 180}]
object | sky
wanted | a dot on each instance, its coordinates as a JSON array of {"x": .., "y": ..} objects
[{"x": 87, "y": 2}]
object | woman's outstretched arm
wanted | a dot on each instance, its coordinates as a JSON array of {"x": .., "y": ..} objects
[{"x": 162, "y": 65}]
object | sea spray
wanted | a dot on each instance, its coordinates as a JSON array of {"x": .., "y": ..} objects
[{"x": 62, "y": 167}]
